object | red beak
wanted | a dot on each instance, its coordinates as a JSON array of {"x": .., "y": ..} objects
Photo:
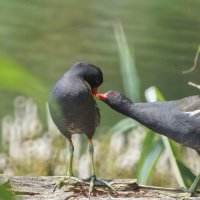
[
  {"x": 94, "y": 90},
  {"x": 102, "y": 96}
]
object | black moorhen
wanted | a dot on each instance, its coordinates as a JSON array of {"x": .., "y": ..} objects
[
  {"x": 74, "y": 110},
  {"x": 178, "y": 120}
]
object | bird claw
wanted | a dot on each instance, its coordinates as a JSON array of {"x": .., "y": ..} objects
[
  {"x": 64, "y": 178},
  {"x": 107, "y": 184},
  {"x": 92, "y": 180}
]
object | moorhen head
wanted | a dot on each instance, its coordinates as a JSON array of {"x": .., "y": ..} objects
[
  {"x": 116, "y": 101},
  {"x": 74, "y": 110},
  {"x": 89, "y": 73}
]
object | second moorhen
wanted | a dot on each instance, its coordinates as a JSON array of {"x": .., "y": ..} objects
[
  {"x": 178, "y": 120},
  {"x": 74, "y": 110}
]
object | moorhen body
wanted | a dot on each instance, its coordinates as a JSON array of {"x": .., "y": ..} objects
[
  {"x": 74, "y": 110},
  {"x": 178, "y": 120}
]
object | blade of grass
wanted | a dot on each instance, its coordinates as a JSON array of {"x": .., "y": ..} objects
[
  {"x": 168, "y": 146},
  {"x": 124, "y": 125},
  {"x": 173, "y": 162},
  {"x": 129, "y": 72},
  {"x": 150, "y": 162},
  {"x": 186, "y": 172},
  {"x": 146, "y": 148}
]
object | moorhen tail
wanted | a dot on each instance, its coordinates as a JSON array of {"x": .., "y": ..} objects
[
  {"x": 178, "y": 120},
  {"x": 74, "y": 110}
]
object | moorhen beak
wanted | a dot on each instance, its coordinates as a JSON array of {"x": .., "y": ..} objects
[
  {"x": 74, "y": 110},
  {"x": 101, "y": 96},
  {"x": 178, "y": 120}
]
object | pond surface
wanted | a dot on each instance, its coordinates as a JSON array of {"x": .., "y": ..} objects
[{"x": 48, "y": 36}]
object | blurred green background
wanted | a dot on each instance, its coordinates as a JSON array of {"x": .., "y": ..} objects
[
  {"x": 136, "y": 43},
  {"x": 46, "y": 37}
]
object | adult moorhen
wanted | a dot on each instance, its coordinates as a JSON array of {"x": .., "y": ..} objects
[
  {"x": 74, "y": 110},
  {"x": 178, "y": 120}
]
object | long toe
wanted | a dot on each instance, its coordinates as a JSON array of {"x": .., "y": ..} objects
[
  {"x": 61, "y": 181},
  {"x": 107, "y": 184},
  {"x": 92, "y": 184}
]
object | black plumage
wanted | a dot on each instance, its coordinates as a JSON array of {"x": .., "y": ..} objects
[
  {"x": 74, "y": 110},
  {"x": 178, "y": 120},
  {"x": 71, "y": 104}
]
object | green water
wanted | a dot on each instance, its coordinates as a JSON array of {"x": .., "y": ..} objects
[{"x": 48, "y": 36}]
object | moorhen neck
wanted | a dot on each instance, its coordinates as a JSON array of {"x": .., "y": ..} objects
[
  {"x": 74, "y": 110},
  {"x": 178, "y": 120}
]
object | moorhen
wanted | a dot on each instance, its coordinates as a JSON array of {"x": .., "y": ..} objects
[
  {"x": 178, "y": 120},
  {"x": 74, "y": 110}
]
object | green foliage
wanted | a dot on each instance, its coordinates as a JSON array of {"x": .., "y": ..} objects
[
  {"x": 182, "y": 173},
  {"x": 150, "y": 161},
  {"x": 186, "y": 173},
  {"x": 152, "y": 147},
  {"x": 129, "y": 72},
  {"x": 147, "y": 146},
  {"x": 15, "y": 78},
  {"x": 173, "y": 161},
  {"x": 5, "y": 194},
  {"x": 124, "y": 126}
]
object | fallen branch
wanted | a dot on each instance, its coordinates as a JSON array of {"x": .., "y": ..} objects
[{"x": 35, "y": 188}]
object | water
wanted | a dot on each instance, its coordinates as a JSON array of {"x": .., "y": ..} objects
[{"x": 48, "y": 36}]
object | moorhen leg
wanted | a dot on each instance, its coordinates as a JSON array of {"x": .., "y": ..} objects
[
  {"x": 70, "y": 174},
  {"x": 93, "y": 177}
]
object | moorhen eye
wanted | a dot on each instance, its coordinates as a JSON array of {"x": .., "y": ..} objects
[{"x": 113, "y": 93}]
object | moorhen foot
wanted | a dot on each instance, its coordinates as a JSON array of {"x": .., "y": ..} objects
[
  {"x": 178, "y": 120},
  {"x": 74, "y": 110}
]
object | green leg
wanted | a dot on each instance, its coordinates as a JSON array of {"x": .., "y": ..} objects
[
  {"x": 71, "y": 155},
  {"x": 70, "y": 174},
  {"x": 91, "y": 151},
  {"x": 93, "y": 177}
]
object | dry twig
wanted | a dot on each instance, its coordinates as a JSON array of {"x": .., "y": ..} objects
[
  {"x": 194, "y": 85},
  {"x": 195, "y": 62}
]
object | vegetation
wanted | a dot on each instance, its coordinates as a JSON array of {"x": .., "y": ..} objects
[
  {"x": 29, "y": 151},
  {"x": 5, "y": 194},
  {"x": 153, "y": 146},
  {"x": 131, "y": 150}
]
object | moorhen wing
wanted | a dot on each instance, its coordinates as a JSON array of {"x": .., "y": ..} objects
[
  {"x": 178, "y": 120},
  {"x": 74, "y": 110}
]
